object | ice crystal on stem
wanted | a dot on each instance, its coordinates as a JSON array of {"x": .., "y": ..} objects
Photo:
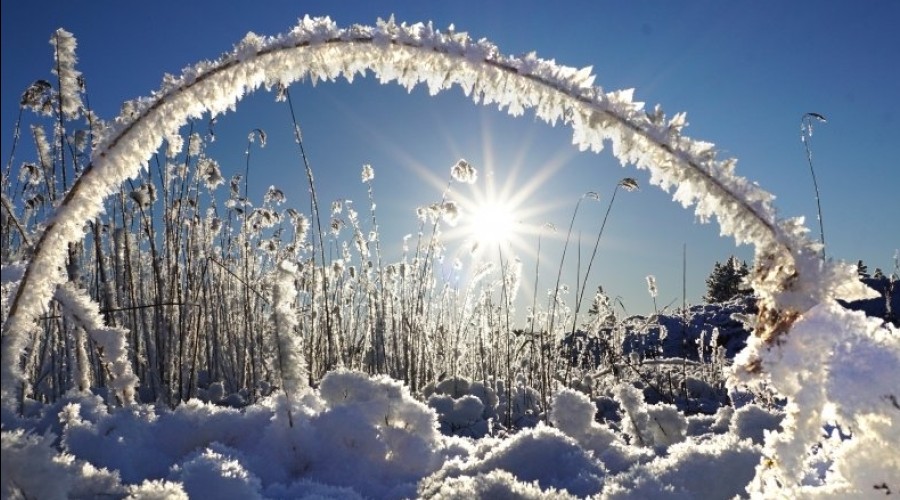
[{"x": 70, "y": 89}]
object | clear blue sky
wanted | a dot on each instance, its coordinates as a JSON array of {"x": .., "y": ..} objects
[{"x": 745, "y": 73}]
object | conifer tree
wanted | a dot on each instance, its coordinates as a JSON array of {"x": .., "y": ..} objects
[
  {"x": 862, "y": 270},
  {"x": 725, "y": 281}
]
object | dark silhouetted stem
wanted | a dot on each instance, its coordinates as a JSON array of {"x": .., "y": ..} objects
[{"x": 805, "y": 135}]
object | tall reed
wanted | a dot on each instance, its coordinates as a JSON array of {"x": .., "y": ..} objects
[{"x": 806, "y": 132}]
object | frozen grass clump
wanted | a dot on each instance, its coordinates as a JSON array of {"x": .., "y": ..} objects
[
  {"x": 656, "y": 426},
  {"x": 464, "y": 408},
  {"x": 27, "y": 461},
  {"x": 463, "y": 416},
  {"x": 753, "y": 421},
  {"x": 520, "y": 406},
  {"x": 716, "y": 467},
  {"x": 718, "y": 423},
  {"x": 573, "y": 413},
  {"x": 494, "y": 484},
  {"x": 164, "y": 437},
  {"x": 33, "y": 468},
  {"x": 541, "y": 455},
  {"x": 214, "y": 472}
]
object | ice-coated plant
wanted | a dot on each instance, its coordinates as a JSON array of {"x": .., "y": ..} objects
[
  {"x": 652, "y": 290},
  {"x": 806, "y": 132},
  {"x": 113, "y": 342},
  {"x": 69, "y": 87}
]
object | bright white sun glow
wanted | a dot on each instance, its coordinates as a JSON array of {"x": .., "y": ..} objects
[{"x": 492, "y": 224}]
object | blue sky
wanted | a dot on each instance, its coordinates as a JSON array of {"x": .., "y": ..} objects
[{"x": 745, "y": 73}]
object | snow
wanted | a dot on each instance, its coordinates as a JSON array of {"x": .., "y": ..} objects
[
  {"x": 712, "y": 468},
  {"x": 357, "y": 436}
]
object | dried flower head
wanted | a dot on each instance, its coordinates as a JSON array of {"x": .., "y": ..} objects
[
  {"x": 336, "y": 225},
  {"x": 651, "y": 285},
  {"x": 31, "y": 174},
  {"x": 144, "y": 196},
  {"x": 464, "y": 172},
  {"x": 274, "y": 195},
  {"x": 262, "y": 218},
  {"x": 280, "y": 92},
  {"x": 251, "y": 137},
  {"x": 450, "y": 212},
  {"x": 368, "y": 173},
  {"x": 210, "y": 173},
  {"x": 235, "y": 184},
  {"x": 37, "y": 97},
  {"x": 195, "y": 142},
  {"x": 629, "y": 184}
]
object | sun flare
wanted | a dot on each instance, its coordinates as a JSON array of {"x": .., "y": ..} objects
[{"x": 491, "y": 224}]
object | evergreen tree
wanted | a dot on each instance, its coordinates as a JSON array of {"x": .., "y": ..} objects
[
  {"x": 862, "y": 270},
  {"x": 726, "y": 280}
]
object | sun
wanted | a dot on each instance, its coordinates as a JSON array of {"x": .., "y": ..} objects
[
  {"x": 499, "y": 218},
  {"x": 492, "y": 224},
  {"x": 504, "y": 210}
]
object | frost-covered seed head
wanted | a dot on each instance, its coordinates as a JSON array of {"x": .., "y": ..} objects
[
  {"x": 210, "y": 173},
  {"x": 629, "y": 184},
  {"x": 651, "y": 285},
  {"x": 450, "y": 212},
  {"x": 368, "y": 173},
  {"x": 464, "y": 172}
]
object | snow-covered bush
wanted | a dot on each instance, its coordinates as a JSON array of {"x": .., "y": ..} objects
[
  {"x": 464, "y": 408},
  {"x": 573, "y": 413},
  {"x": 374, "y": 428},
  {"x": 494, "y": 484},
  {"x": 753, "y": 421}
]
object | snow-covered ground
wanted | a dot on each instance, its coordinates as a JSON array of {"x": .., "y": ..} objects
[
  {"x": 362, "y": 437},
  {"x": 356, "y": 436}
]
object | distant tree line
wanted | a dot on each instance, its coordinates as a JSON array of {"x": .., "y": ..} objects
[{"x": 727, "y": 281}]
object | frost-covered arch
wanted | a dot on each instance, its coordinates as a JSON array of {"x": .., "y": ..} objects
[{"x": 790, "y": 278}]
